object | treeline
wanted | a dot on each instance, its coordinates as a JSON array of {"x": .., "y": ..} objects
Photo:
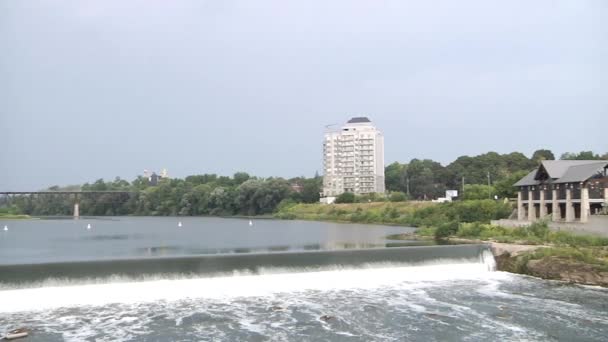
[
  {"x": 206, "y": 194},
  {"x": 425, "y": 179},
  {"x": 242, "y": 194}
]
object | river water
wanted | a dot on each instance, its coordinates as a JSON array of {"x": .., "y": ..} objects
[{"x": 146, "y": 279}]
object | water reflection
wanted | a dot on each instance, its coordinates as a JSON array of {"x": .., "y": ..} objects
[
  {"x": 190, "y": 250},
  {"x": 35, "y": 241}
]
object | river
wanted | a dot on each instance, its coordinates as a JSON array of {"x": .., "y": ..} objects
[{"x": 210, "y": 279}]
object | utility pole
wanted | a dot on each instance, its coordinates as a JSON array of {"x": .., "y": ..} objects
[
  {"x": 462, "y": 188},
  {"x": 489, "y": 187}
]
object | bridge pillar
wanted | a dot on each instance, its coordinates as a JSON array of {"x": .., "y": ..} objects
[{"x": 76, "y": 210}]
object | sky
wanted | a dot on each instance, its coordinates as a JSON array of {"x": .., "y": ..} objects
[{"x": 99, "y": 89}]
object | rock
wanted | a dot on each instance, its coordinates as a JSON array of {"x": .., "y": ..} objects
[
  {"x": 326, "y": 318},
  {"x": 16, "y": 334},
  {"x": 567, "y": 270}
]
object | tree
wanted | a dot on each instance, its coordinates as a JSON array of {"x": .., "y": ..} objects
[
  {"x": 540, "y": 155},
  {"x": 240, "y": 178},
  {"x": 346, "y": 197},
  {"x": 311, "y": 189},
  {"x": 583, "y": 155},
  {"x": 394, "y": 175},
  {"x": 426, "y": 179},
  {"x": 397, "y": 196},
  {"x": 504, "y": 187},
  {"x": 478, "y": 192}
]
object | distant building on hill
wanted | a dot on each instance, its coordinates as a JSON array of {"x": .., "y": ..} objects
[
  {"x": 154, "y": 178},
  {"x": 353, "y": 160},
  {"x": 564, "y": 190}
]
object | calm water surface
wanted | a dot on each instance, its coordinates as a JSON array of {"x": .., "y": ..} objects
[{"x": 49, "y": 240}]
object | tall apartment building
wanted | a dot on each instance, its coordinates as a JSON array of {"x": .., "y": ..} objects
[{"x": 353, "y": 159}]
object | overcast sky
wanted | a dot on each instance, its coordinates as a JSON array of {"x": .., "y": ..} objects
[{"x": 98, "y": 89}]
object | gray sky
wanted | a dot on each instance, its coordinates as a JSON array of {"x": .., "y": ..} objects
[{"x": 98, "y": 89}]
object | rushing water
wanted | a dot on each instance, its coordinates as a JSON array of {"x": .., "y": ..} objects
[{"x": 434, "y": 293}]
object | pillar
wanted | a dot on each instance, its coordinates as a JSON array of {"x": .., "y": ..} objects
[
  {"x": 543, "y": 205},
  {"x": 76, "y": 210},
  {"x": 531, "y": 208},
  {"x": 585, "y": 207},
  {"x": 556, "y": 209},
  {"x": 569, "y": 206},
  {"x": 521, "y": 215}
]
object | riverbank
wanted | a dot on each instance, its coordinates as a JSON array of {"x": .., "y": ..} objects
[
  {"x": 410, "y": 213},
  {"x": 14, "y": 217},
  {"x": 538, "y": 251},
  {"x": 586, "y": 266}
]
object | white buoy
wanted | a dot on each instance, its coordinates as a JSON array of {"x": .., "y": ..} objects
[
  {"x": 5, "y": 228},
  {"x": 179, "y": 224},
  {"x": 89, "y": 226},
  {"x": 250, "y": 223}
]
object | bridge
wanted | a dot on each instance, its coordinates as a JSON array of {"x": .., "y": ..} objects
[{"x": 76, "y": 195}]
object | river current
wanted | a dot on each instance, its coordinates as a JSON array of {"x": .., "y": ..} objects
[{"x": 354, "y": 285}]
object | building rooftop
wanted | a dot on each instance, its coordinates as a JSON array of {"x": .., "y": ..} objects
[
  {"x": 360, "y": 119},
  {"x": 564, "y": 171}
]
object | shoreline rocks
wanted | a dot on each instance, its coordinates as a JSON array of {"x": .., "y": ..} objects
[{"x": 512, "y": 258}]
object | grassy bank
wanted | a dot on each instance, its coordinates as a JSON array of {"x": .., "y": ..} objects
[
  {"x": 563, "y": 256},
  {"x": 14, "y": 217},
  {"x": 417, "y": 214}
]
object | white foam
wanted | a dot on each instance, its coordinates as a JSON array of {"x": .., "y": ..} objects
[{"x": 34, "y": 299}]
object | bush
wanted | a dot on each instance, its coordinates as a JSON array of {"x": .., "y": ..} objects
[
  {"x": 470, "y": 229},
  {"x": 347, "y": 197},
  {"x": 446, "y": 229},
  {"x": 397, "y": 197},
  {"x": 539, "y": 229}
]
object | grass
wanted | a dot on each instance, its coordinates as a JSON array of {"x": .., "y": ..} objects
[
  {"x": 537, "y": 233},
  {"x": 411, "y": 213},
  {"x": 14, "y": 216}
]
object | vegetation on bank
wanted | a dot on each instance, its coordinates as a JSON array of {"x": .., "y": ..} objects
[
  {"x": 10, "y": 213},
  {"x": 558, "y": 247},
  {"x": 14, "y": 217},
  {"x": 537, "y": 233},
  {"x": 416, "y": 214}
]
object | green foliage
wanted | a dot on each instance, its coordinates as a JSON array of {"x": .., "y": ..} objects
[
  {"x": 347, "y": 197},
  {"x": 583, "y": 155},
  {"x": 446, "y": 229},
  {"x": 417, "y": 214},
  {"x": 395, "y": 177},
  {"x": 540, "y": 155},
  {"x": 397, "y": 196},
  {"x": 505, "y": 189},
  {"x": 311, "y": 188},
  {"x": 478, "y": 192},
  {"x": 535, "y": 234},
  {"x": 373, "y": 197},
  {"x": 194, "y": 195}
]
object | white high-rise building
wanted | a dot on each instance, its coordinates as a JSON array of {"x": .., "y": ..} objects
[{"x": 353, "y": 159}]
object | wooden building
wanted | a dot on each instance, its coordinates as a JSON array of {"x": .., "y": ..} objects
[{"x": 563, "y": 190}]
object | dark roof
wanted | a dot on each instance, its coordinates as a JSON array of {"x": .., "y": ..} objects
[
  {"x": 359, "y": 119},
  {"x": 565, "y": 171},
  {"x": 581, "y": 173},
  {"x": 558, "y": 168},
  {"x": 527, "y": 180}
]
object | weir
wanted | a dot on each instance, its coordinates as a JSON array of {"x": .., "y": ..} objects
[{"x": 253, "y": 263}]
